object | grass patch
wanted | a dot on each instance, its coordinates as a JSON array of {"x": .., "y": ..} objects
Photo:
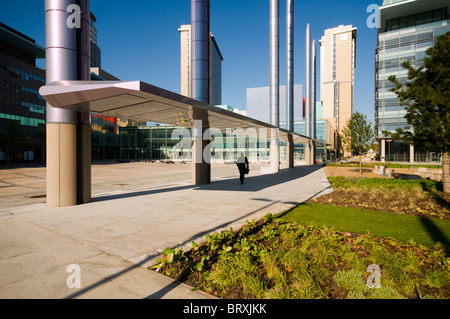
[
  {"x": 385, "y": 183},
  {"x": 422, "y": 230},
  {"x": 330, "y": 248},
  {"x": 280, "y": 259},
  {"x": 412, "y": 197},
  {"x": 353, "y": 164}
]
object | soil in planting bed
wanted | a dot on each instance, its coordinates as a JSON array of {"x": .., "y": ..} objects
[{"x": 433, "y": 204}]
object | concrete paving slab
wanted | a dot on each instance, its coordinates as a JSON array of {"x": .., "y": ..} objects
[{"x": 124, "y": 230}]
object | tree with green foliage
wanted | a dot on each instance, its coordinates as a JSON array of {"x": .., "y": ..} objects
[
  {"x": 358, "y": 135},
  {"x": 426, "y": 97}
]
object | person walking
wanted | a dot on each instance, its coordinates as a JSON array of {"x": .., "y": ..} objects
[{"x": 243, "y": 166}]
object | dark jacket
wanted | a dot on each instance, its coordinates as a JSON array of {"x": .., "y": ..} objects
[{"x": 243, "y": 165}]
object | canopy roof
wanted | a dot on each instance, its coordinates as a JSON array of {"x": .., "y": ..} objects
[{"x": 141, "y": 101}]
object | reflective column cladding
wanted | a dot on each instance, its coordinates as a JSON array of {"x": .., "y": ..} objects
[
  {"x": 274, "y": 62},
  {"x": 200, "y": 24},
  {"x": 61, "y": 53},
  {"x": 68, "y": 132},
  {"x": 313, "y": 89},
  {"x": 200, "y": 49},
  {"x": 308, "y": 82},
  {"x": 274, "y": 84},
  {"x": 290, "y": 65}
]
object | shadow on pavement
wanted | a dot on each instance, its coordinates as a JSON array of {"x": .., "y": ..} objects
[
  {"x": 163, "y": 291},
  {"x": 251, "y": 184}
]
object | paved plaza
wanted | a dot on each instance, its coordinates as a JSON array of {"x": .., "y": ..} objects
[{"x": 137, "y": 210}]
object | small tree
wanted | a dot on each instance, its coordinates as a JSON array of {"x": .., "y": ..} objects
[
  {"x": 426, "y": 97},
  {"x": 358, "y": 135}
]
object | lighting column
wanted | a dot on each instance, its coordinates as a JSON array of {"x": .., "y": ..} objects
[
  {"x": 290, "y": 81},
  {"x": 274, "y": 84},
  {"x": 200, "y": 62},
  {"x": 313, "y": 99},
  {"x": 308, "y": 95}
]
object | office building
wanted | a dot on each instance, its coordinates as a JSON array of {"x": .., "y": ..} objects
[
  {"x": 20, "y": 102},
  {"x": 22, "y": 109},
  {"x": 258, "y": 103},
  {"x": 258, "y": 107},
  {"x": 215, "y": 68},
  {"x": 407, "y": 30},
  {"x": 96, "y": 53},
  {"x": 337, "y": 78}
]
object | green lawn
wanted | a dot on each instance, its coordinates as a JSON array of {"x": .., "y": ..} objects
[
  {"x": 425, "y": 231},
  {"x": 388, "y": 165}
]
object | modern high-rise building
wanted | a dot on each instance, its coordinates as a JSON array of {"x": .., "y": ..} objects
[
  {"x": 258, "y": 107},
  {"x": 407, "y": 30},
  {"x": 258, "y": 103},
  {"x": 215, "y": 68},
  {"x": 96, "y": 53},
  {"x": 22, "y": 109},
  {"x": 337, "y": 78}
]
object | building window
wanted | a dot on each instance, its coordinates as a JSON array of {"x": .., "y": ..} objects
[
  {"x": 416, "y": 19},
  {"x": 334, "y": 56}
]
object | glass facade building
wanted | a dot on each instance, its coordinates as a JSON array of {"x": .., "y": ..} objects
[
  {"x": 22, "y": 109},
  {"x": 258, "y": 103},
  {"x": 163, "y": 142},
  {"x": 407, "y": 30}
]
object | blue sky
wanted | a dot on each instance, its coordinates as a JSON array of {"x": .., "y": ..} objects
[{"x": 139, "y": 40}]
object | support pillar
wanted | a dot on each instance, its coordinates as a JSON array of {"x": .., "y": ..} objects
[
  {"x": 274, "y": 85},
  {"x": 383, "y": 151},
  {"x": 307, "y": 154},
  {"x": 274, "y": 151},
  {"x": 200, "y": 44},
  {"x": 290, "y": 152},
  {"x": 290, "y": 65},
  {"x": 201, "y": 155},
  {"x": 411, "y": 153},
  {"x": 84, "y": 163},
  {"x": 313, "y": 153},
  {"x": 200, "y": 62},
  {"x": 308, "y": 82},
  {"x": 68, "y": 132},
  {"x": 61, "y": 165}
]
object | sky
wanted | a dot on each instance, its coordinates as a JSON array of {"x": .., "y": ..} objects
[{"x": 139, "y": 40}]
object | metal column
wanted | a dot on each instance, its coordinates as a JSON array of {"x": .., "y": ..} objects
[
  {"x": 200, "y": 65},
  {"x": 290, "y": 65},
  {"x": 200, "y": 37},
  {"x": 290, "y": 81},
  {"x": 308, "y": 94},
  {"x": 68, "y": 132},
  {"x": 274, "y": 62},
  {"x": 313, "y": 89},
  {"x": 274, "y": 84},
  {"x": 308, "y": 82},
  {"x": 313, "y": 101}
]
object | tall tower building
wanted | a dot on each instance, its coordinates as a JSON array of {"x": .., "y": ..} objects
[
  {"x": 96, "y": 53},
  {"x": 215, "y": 74},
  {"x": 407, "y": 30},
  {"x": 337, "y": 77}
]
